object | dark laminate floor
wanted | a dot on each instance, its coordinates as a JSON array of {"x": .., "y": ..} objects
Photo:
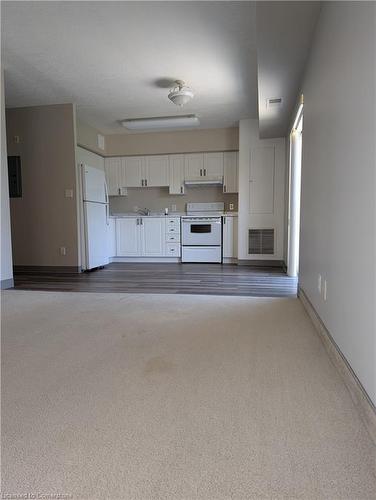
[{"x": 212, "y": 279}]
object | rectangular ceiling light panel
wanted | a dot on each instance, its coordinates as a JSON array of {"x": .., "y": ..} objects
[{"x": 162, "y": 122}]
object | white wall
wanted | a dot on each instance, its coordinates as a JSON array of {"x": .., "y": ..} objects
[
  {"x": 248, "y": 141},
  {"x": 6, "y": 275},
  {"x": 338, "y": 181}
]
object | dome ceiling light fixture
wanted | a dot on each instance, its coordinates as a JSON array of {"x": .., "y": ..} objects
[{"x": 180, "y": 94}]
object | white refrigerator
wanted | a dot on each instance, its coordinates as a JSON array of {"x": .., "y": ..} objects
[{"x": 95, "y": 213}]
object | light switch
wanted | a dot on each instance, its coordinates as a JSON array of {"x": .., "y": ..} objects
[
  {"x": 16, "y": 139},
  {"x": 69, "y": 193}
]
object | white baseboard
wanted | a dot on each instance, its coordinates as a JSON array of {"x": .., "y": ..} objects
[{"x": 358, "y": 394}]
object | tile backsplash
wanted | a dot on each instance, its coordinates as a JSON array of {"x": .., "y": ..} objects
[{"x": 157, "y": 199}]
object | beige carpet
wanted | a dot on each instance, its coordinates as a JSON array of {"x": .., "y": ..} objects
[{"x": 175, "y": 397}]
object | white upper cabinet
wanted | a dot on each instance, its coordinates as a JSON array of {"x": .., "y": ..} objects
[
  {"x": 112, "y": 167},
  {"x": 194, "y": 165},
  {"x": 133, "y": 170},
  {"x": 171, "y": 171},
  {"x": 213, "y": 165},
  {"x": 156, "y": 171},
  {"x": 176, "y": 174},
  {"x": 261, "y": 180},
  {"x": 230, "y": 172}
]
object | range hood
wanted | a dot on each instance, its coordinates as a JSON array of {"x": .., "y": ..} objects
[{"x": 204, "y": 181}]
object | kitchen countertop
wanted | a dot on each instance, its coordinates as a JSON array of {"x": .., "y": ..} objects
[{"x": 160, "y": 214}]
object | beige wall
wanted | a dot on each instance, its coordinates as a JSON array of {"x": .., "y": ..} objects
[
  {"x": 221, "y": 139},
  {"x": 337, "y": 238},
  {"x": 157, "y": 199},
  {"x": 87, "y": 136},
  {"x": 6, "y": 275},
  {"x": 44, "y": 220}
]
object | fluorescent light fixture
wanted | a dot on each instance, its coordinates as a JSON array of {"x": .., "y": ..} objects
[{"x": 161, "y": 122}]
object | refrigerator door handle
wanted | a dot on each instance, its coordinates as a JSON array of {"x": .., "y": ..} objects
[
  {"x": 106, "y": 192},
  {"x": 107, "y": 215}
]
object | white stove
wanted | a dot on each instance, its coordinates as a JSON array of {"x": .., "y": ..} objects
[{"x": 202, "y": 232}]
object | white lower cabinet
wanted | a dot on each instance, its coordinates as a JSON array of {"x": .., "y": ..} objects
[
  {"x": 230, "y": 237},
  {"x": 152, "y": 236},
  {"x": 111, "y": 238},
  {"x": 147, "y": 237},
  {"x": 128, "y": 238},
  {"x": 140, "y": 237}
]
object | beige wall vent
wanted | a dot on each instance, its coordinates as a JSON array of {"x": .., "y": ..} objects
[{"x": 261, "y": 241}]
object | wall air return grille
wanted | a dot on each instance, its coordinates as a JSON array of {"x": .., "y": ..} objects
[{"x": 261, "y": 241}]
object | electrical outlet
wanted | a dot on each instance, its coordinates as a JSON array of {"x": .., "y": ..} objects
[
  {"x": 325, "y": 291},
  {"x": 63, "y": 251},
  {"x": 173, "y": 208},
  {"x": 319, "y": 283},
  {"x": 231, "y": 206}
]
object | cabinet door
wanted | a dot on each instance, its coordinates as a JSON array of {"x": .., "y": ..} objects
[
  {"x": 230, "y": 172},
  {"x": 176, "y": 174},
  {"x": 122, "y": 174},
  {"x": 194, "y": 165},
  {"x": 261, "y": 180},
  {"x": 111, "y": 167},
  {"x": 156, "y": 171},
  {"x": 134, "y": 171},
  {"x": 230, "y": 237},
  {"x": 153, "y": 236},
  {"x": 213, "y": 165},
  {"x": 128, "y": 241}
]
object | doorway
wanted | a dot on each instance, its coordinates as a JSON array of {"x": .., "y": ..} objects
[{"x": 295, "y": 168}]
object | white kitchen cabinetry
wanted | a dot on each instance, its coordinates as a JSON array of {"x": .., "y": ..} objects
[
  {"x": 111, "y": 238},
  {"x": 141, "y": 236},
  {"x": 128, "y": 241},
  {"x": 114, "y": 179},
  {"x": 172, "y": 248},
  {"x": 261, "y": 180},
  {"x": 133, "y": 167},
  {"x": 213, "y": 165},
  {"x": 193, "y": 165},
  {"x": 152, "y": 230},
  {"x": 230, "y": 237},
  {"x": 230, "y": 172},
  {"x": 156, "y": 171},
  {"x": 146, "y": 171},
  {"x": 176, "y": 171}
]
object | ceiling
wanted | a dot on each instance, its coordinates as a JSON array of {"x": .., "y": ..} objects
[
  {"x": 284, "y": 36},
  {"x": 117, "y": 60}
]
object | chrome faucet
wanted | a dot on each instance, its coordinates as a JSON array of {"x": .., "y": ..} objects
[{"x": 145, "y": 211}]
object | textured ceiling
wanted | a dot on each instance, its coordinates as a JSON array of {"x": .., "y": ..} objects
[{"x": 115, "y": 59}]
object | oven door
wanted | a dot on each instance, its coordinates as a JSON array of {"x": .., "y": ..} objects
[{"x": 202, "y": 232}]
